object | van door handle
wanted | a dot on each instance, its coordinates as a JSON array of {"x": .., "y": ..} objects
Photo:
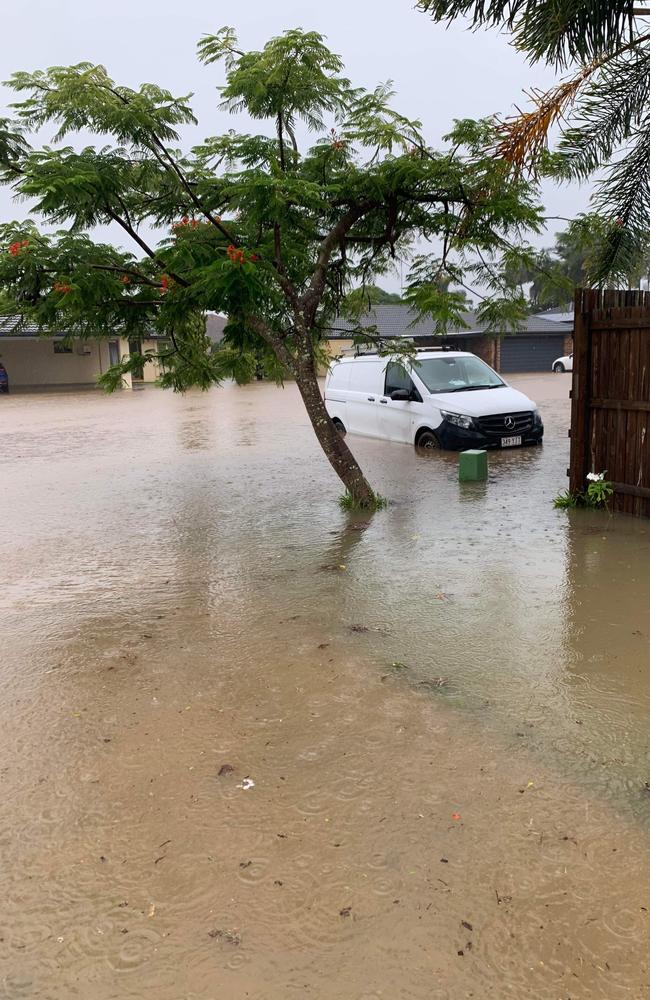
[
  {"x": 383, "y": 400},
  {"x": 371, "y": 399}
]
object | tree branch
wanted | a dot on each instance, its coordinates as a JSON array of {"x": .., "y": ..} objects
[
  {"x": 141, "y": 278},
  {"x": 283, "y": 165},
  {"x": 264, "y": 331},
  {"x": 144, "y": 246},
  {"x": 159, "y": 144},
  {"x": 187, "y": 361},
  {"x": 196, "y": 201},
  {"x": 287, "y": 286},
  {"x": 310, "y": 300}
]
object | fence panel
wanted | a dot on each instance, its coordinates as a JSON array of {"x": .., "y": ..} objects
[{"x": 610, "y": 408}]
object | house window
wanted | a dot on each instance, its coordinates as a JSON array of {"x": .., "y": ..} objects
[{"x": 60, "y": 347}]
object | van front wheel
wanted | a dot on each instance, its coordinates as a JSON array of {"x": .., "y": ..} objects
[
  {"x": 339, "y": 426},
  {"x": 427, "y": 439}
]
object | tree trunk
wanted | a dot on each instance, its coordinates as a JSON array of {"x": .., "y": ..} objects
[{"x": 340, "y": 457}]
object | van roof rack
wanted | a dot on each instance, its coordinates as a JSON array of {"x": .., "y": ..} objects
[{"x": 358, "y": 352}]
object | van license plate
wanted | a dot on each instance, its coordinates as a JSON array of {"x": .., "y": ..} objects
[{"x": 510, "y": 442}]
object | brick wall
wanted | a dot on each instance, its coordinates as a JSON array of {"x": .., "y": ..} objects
[{"x": 486, "y": 348}]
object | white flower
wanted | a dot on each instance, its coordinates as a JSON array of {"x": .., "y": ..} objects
[{"x": 595, "y": 477}]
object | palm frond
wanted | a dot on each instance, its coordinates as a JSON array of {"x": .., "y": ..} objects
[
  {"x": 556, "y": 31},
  {"x": 623, "y": 199},
  {"x": 524, "y": 137},
  {"x": 613, "y": 103}
]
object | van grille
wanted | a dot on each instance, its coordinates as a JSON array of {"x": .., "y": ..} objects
[{"x": 506, "y": 424}]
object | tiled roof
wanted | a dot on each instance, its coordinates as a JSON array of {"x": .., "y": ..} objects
[
  {"x": 8, "y": 328},
  {"x": 12, "y": 326},
  {"x": 400, "y": 321},
  {"x": 557, "y": 316}
]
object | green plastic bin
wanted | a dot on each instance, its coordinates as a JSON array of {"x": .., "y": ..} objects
[{"x": 472, "y": 466}]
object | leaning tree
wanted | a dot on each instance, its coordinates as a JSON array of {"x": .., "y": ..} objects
[{"x": 272, "y": 230}]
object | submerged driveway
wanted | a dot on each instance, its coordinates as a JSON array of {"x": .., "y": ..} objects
[{"x": 252, "y": 746}]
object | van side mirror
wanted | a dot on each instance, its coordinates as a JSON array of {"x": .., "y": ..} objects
[{"x": 401, "y": 394}]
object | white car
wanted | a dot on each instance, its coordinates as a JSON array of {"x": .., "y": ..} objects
[
  {"x": 440, "y": 399},
  {"x": 563, "y": 364}
]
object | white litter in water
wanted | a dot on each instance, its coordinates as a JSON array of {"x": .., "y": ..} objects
[{"x": 246, "y": 784}]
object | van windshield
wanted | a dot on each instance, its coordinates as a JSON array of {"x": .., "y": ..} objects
[{"x": 459, "y": 374}]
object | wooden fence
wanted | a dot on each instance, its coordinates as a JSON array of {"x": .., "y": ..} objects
[{"x": 610, "y": 409}]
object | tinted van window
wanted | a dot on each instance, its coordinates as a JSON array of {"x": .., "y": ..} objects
[{"x": 398, "y": 378}]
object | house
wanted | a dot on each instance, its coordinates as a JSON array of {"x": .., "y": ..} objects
[
  {"x": 37, "y": 361},
  {"x": 532, "y": 348},
  {"x": 557, "y": 315}
]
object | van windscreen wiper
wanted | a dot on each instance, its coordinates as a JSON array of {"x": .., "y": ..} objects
[{"x": 471, "y": 388}]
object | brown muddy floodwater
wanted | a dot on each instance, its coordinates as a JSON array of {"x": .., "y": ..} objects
[{"x": 216, "y": 782}]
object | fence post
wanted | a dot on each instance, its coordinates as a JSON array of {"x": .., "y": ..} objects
[{"x": 583, "y": 303}]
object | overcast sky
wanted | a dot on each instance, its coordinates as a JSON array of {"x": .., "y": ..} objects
[{"x": 439, "y": 74}]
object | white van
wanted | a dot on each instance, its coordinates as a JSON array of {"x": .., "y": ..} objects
[{"x": 440, "y": 399}]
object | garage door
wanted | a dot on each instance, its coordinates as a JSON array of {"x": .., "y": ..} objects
[{"x": 530, "y": 354}]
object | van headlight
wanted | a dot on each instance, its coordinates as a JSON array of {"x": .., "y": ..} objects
[
  {"x": 459, "y": 419},
  {"x": 537, "y": 418}
]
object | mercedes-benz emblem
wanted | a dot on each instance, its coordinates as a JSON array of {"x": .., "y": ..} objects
[{"x": 509, "y": 423}]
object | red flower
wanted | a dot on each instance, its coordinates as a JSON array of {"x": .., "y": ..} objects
[
  {"x": 59, "y": 286},
  {"x": 125, "y": 279},
  {"x": 164, "y": 284},
  {"x": 16, "y": 247},
  {"x": 235, "y": 255}
]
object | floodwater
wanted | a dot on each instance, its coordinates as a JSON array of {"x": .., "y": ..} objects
[{"x": 253, "y": 747}]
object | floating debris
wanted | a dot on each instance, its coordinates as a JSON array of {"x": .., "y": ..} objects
[
  {"x": 434, "y": 683},
  {"x": 230, "y": 937}
]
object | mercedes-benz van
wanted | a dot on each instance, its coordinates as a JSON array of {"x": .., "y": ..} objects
[{"x": 439, "y": 399}]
